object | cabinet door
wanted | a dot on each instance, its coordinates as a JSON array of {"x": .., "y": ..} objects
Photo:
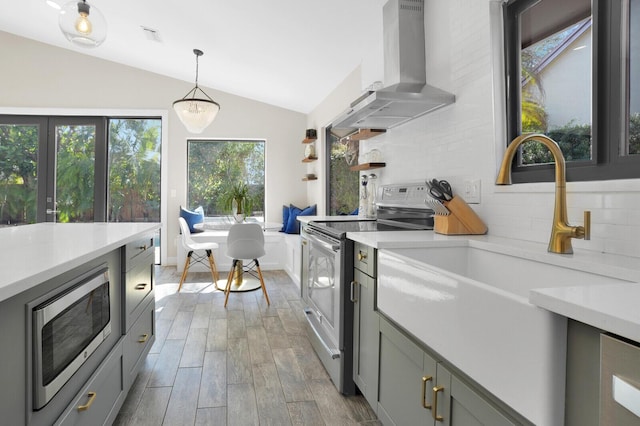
[
  {"x": 464, "y": 406},
  {"x": 407, "y": 376},
  {"x": 365, "y": 336}
]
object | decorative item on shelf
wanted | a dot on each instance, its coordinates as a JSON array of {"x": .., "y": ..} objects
[
  {"x": 82, "y": 24},
  {"x": 238, "y": 201},
  {"x": 196, "y": 113},
  {"x": 310, "y": 151},
  {"x": 373, "y": 156},
  {"x": 310, "y": 176}
]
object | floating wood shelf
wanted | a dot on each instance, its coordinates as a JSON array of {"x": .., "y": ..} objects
[
  {"x": 363, "y": 134},
  {"x": 309, "y": 140},
  {"x": 310, "y": 178},
  {"x": 309, "y": 159},
  {"x": 367, "y": 166}
]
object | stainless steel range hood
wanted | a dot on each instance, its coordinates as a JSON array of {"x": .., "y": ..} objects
[{"x": 407, "y": 95}]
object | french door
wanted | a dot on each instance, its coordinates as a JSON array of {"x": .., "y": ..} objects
[{"x": 52, "y": 169}]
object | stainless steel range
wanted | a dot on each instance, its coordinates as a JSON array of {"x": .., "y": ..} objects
[{"x": 327, "y": 259}]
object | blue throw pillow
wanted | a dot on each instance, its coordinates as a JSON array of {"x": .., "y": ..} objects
[
  {"x": 193, "y": 217},
  {"x": 293, "y": 226}
]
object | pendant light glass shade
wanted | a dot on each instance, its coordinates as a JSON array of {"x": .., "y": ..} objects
[
  {"x": 82, "y": 24},
  {"x": 196, "y": 112}
]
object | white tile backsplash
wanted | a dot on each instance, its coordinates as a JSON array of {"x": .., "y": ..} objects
[{"x": 460, "y": 141}]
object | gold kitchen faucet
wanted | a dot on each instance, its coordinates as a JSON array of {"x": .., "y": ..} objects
[{"x": 561, "y": 231}]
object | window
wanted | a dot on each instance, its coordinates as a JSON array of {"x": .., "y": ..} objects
[
  {"x": 573, "y": 72},
  {"x": 213, "y": 166},
  {"x": 342, "y": 184},
  {"x": 134, "y": 170}
]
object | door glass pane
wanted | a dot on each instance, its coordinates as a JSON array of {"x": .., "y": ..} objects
[
  {"x": 75, "y": 165},
  {"x": 343, "y": 183},
  {"x": 556, "y": 79},
  {"x": 18, "y": 173},
  {"x": 633, "y": 81},
  {"x": 134, "y": 170}
]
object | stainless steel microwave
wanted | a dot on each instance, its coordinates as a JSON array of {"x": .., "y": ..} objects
[{"x": 67, "y": 329}]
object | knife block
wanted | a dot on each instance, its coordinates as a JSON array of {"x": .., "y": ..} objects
[{"x": 462, "y": 220}]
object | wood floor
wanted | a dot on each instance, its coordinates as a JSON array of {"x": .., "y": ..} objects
[{"x": 248, "y": 364}]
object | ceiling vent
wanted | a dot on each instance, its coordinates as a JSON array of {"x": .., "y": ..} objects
[{"x": 151, "y": 34}]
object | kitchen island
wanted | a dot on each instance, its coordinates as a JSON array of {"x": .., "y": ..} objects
[{"x": 45, "y": 265}]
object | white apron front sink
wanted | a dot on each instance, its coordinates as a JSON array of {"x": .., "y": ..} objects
[{"x": 471, "y": 306}]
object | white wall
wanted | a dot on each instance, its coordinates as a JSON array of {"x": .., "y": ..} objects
[
  {"x": 38, "y": 77},
  {"x": 466, "y": 139}
]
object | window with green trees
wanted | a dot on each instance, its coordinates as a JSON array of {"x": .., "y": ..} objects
[
  {"x": 572, "y": 71},
  {"x": 342, "y": 188},
  {"x": 215, "y": 166}
]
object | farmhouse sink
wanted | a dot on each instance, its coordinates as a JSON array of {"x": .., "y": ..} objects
[{"x": 470, "y": 305}]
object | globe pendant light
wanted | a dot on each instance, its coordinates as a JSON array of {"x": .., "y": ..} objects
[
  {"x": 82, "y": 24},
  {"x": 196, "y": 113}
]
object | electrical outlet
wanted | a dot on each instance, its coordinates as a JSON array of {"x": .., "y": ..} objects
[{"x": 471, "y": 191}]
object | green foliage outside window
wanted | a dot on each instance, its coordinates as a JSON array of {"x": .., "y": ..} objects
[
  {"x": 134, "y": 170},
  {"x": 343, "y": 183},
  {"x": 215, "y": 166},
  {"x": 18, "y": 173}
]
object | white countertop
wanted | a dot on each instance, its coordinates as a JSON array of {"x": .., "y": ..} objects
[
  {"x": 31, "y": 254},
  {"x": 610, "y": 307}
]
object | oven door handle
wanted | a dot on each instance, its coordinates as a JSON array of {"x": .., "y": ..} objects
[
  {"x": 324, "y": 243},
  {"x": 332, "y": 352}
]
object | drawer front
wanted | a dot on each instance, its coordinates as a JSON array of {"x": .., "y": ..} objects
[
  {"x": 138, "y": 342},
  {"x": 139, "y": 283},
  {"x": 364, "y": 258},
  {"x": 98, "y": 401},
  {"x": 138, "y": 250}
]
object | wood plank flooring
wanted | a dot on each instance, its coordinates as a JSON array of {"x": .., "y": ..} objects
[{"x": 248, "y": 364}]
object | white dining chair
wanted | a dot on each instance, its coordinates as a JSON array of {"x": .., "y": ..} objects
[
  {"x": 245, "y": 242},
  {"x": 192, "y": 248}
]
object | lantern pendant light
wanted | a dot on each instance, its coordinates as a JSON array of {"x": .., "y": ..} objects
[
  {"x": 82, "y": 24},
  {"x": 196, "y": 113}
]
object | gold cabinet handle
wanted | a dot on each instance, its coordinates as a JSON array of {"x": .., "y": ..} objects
[
  {"x": 85, "y": 407},
  {"x": 425, "y": 379},
  {"x": 362, "y": 256},
  {"x": 143, "y": 338},
  {"x": 144, "y": 247},
  {"x": 436, "y": 417},
  {"x": 141, "y": 286}
]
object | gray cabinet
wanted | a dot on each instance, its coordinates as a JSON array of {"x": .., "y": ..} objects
[
  {"x": 98, "y": 402},
  {"x": 417, "y": 389},
  {"x": 365, "y": 324},
  {"x": 138, "y": 278},
  {"x": 139, "y": 306}
]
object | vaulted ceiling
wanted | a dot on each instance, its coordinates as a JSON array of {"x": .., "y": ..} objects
[{"x": 289, "y": 53}]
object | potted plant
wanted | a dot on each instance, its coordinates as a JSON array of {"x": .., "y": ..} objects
[{"x": 238, "y": 201}]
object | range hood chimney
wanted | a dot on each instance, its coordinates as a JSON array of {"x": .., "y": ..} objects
[{"x": 407, "y": 94}]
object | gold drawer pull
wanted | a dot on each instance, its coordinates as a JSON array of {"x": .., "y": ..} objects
[
  {"x": 144, "y": 247},
  {"x": 141, "y": 286},
  {"x": 362, "y": 256},
  {"x": 85, "y": 407},
  {"x": 425, "y": 379},
  {"x": 436, "y": 417},
  {"x": 143, "y": 338}
]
